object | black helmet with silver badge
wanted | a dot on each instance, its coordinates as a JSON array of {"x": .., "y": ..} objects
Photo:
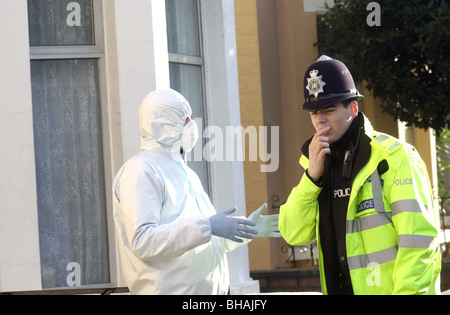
[{"x": 327, "y": 82}]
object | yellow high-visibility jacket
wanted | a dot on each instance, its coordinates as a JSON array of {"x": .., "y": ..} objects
[{"x": 392, "y": 223}]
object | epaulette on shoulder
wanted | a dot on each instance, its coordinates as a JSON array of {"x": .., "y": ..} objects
[{"x": 390, "y": 143}]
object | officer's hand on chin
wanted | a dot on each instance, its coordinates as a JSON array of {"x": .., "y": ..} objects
[{"x": 318, "y": 149}]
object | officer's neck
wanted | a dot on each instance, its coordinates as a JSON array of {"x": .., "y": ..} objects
[{"x": 338, "y": 148}]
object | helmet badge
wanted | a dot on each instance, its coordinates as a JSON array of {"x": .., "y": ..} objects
[{"x": 315, "y": 84}]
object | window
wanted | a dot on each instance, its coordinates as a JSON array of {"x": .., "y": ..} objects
[
  {"x": 61, "y": 23},
  {"x": 186, "y": 66},
  {"x": 66, "y": 52}
]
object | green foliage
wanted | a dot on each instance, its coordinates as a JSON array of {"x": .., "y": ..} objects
[
  {"x": 405, "y": 61},
  {"x": 443, "y": 166}
]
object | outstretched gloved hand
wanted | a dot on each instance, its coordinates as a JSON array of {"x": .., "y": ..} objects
[
  {"x": 231, "y": 227},
  {"x": 266, "y": 225}
]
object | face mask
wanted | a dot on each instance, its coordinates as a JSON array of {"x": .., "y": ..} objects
[{"x": 190, "y": 136}]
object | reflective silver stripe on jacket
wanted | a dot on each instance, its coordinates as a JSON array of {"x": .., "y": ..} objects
[
  {"x": 369, "y": 222},
  {"x": 375, "y": 220},
  {"x": 380, "y": 257},
  {"x": 416, "y": 241},
  {"x": 380, "y": 218},
  {"x": 377, "y": 191},
  {"x": 407, "y": 205}
]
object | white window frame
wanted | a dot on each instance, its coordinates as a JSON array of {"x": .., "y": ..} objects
[
  {"x": 318, "y": 6},
  {"x": 95, "y": 51},
  {"x": 222, "y": 93},
  {"x": 198, "y": 61}
]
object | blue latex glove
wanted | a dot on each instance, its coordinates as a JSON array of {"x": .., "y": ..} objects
[
  {"x": 231, "y": 227},
  {"x": 266, "y": 225}
]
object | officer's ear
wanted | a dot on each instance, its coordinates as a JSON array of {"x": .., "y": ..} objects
[{"x": 354, "y": 109}]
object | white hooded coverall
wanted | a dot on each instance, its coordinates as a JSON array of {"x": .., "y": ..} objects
[{"x": 161, "y": 211}]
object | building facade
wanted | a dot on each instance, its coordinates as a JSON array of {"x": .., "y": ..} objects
[
  {"x": 72, "y": 77},
  {"x": 74, "y": 74}
]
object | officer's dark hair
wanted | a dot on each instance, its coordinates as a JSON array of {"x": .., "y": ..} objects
[{"x": 347, "y": 103}]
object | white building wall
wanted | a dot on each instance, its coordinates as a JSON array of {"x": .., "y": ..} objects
[
  {"x": 143, "y": 61},
  {"x": 19, "y": 242},
  {"x": 228, "y": 188}
]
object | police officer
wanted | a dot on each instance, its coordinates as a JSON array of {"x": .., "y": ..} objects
[{"x": 365, "y": 196}]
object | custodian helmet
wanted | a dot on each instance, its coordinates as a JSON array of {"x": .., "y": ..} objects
[{"x": 327, "y": 82}]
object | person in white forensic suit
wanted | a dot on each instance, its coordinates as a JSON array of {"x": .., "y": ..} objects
[{"x": 171, "y": 239}]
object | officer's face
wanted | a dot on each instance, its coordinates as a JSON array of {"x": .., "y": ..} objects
[{"x": 337, "y": 118}]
